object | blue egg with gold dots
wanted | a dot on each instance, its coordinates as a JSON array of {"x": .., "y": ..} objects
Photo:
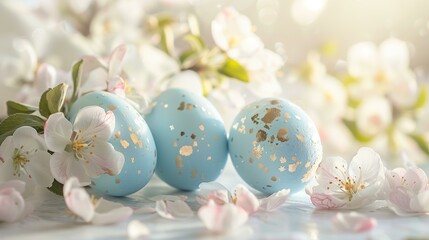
[
  {"x": 132, "y": 137},
  {"x": 190, "y": 137},
  {"x": 274, "y": 145}
]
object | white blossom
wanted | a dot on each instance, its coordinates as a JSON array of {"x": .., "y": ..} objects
[{"x": 82, "y": 149}]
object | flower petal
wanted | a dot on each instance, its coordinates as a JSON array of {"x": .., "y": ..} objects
[
  {"x": 64, "y": 166},
  {"x": 246, "y": 199},
  {"x": 230, "y": 28},
  {"x": 330, "y": 170},
  {"x": 420, "y": 202},
  {"x": 27, "y": 139},
  {"x": 394, "y": 55},
  {"x": 12, "y": 205},
  {"x": 222, "y": 218},
  {"x": 367, "y": 166},
  {"x": 173, "y": 209},
  {"x": 116, "y": 85},
  {"x": 374, "y": 115},
  {"x": 6, "y": 161},
  {"x": 416, "y": 179},
  {"x": 325, "y": 201},
  {"x": 18, "y": 185},
  {"x": 116, "y": 60},
  {"x": 137, "y": 229},
  {"x": 354, "y": 222},
  {"x": 93, "y": 75},
  {"x": 37, "y": 168},
  {"x": 102, "y": 159},
  {"x": 213, "y": 191},
  {"x": 362, "y": 60},
  {"x": 394, "y": 177},
  {"x": 58, "y": 131},
  {"x": 78, "y": 200},
  {"x": 107, "y": 212},
  {"x": 94, "y": 122},
  {"x": 399, "y": 201},
  {"x": 274, "y": 201}
]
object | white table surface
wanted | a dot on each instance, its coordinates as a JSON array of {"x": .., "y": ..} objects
[{"x": 296, "y": 219}]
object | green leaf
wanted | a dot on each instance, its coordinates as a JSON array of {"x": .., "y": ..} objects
[
  {"x": 233, "y": 69},
  {"x": 196, "y": 42},
  {"x": 52, "y": 100},
  {"x": 354, "y": 103},
  {"x": 422, "y": 99},
  {"x": 17, "y": 120},
  {"x": 349, "y": 80},
  {"x": 188, "y": 58},
  {"x": 167, "y": 40},
  {"x": 56, "y": 97},
  {"x": 355, "y": 131},
  {"x": 43, "y": 104},
  {"x": 15, "y": 107},
  {"x": 164, "y": 20},
  {"x": 56, "y": 188},
  {"x": 421, "y": 142},
  {"x": 77, "y": 77}
]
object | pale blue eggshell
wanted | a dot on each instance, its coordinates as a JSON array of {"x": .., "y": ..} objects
[
  {"x": 132, "y": 137},
  {"x": 274, "y": 145},
  {"x": 190, "y": 137}
]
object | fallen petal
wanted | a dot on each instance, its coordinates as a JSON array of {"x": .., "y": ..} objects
[
  {"x": 173, "y": 209},
  {"x": 137, "y": 229},
  {"x": 12, "y": 205},
  {"x": 107, "y": 212},
  {"x": 222, "y": 218},
  {"x": 245, "y": 199},
  {"x": 274, "y": 201},
  {"x": 213, "y": 191},
  {"x": 354, "y": 222},
  {"x": 78, "y": 200}
]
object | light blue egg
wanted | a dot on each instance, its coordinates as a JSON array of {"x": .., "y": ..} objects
[
  {"x": 190, "y": 137},
  {"x": 274, "y": 145},
  {"x": 131, "y": 137}
]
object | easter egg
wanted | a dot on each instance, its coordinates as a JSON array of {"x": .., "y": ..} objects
[
  {"x": 132, "y": 137},
  {"x": 190, "y": 137},
  {"x": 274, "y": 145}
]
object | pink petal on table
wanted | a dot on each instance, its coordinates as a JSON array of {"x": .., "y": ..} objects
[
  {"x": 324, "y": 201},
  {"x": 213, "y": 191},
  {"x": 245, "y": 199},
  {"x": 354, "y": 222},
  {"x": 12, "y": 205},
  {"x": 78, "y": 200},
  {"x": 137, "y": 229},
  {"x": 222, "y": 218},
  {"x": 274, "y": 201}
]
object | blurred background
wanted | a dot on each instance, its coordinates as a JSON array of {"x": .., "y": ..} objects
[{"x": 303, "y": 25}]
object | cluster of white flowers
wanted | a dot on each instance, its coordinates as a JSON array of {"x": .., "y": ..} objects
[
  {"x": 373, "y": 98},
  {"x": 365, "y": 183}
]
